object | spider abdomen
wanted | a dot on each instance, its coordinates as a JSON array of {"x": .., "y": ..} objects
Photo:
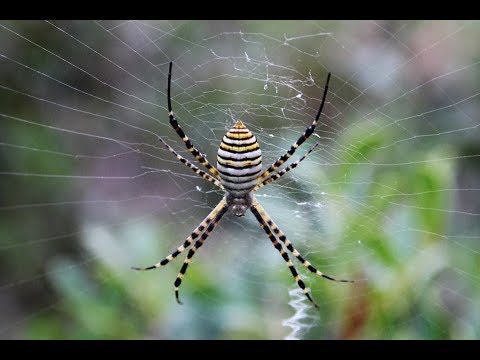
[{"x": 239, "y": 160}]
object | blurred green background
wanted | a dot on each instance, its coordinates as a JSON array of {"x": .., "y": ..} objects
[{"x": 390, "y": 198}]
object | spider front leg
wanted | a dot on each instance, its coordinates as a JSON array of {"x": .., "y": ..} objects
[
  {"x": 285, "y": 256},
  {"x": 198, "y": 155},
  {"x": 264, "y": 216},
  {"x": 220, "y": 207},
  {"x": 300, "y": 140}
]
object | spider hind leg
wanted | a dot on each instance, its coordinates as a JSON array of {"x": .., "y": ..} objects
[
  {"x": 285, "y": 256},
  {"x": 290, "y": 247}
]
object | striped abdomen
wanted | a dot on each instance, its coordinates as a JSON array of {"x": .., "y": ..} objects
[{"x": 239, "y": 160}]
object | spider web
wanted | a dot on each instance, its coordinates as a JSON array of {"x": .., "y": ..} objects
[{"x": 389, "y": 197}]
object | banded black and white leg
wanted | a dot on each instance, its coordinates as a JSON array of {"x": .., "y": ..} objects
[
  {"x": 284, "y": 171},
  {"x": 309, "y": 131},
  {"x": 197, "y": 171},
  {"x": 174, "y": 123},
  {"x": 220, "y": 212},
  {"x": 285, "y": 256},
  {"x": 203, "y": 225},
  {"x": 267, "y": 219}
]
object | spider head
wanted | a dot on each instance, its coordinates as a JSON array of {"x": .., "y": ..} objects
[{"x": 239, "y": 204}]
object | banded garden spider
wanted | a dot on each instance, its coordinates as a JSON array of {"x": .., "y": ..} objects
[{"x": 239, "y": 173}]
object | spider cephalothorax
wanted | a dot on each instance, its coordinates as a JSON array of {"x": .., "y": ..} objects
[
  {"x": 239, "y": 173},
  {"x": 239, "y": 205}
]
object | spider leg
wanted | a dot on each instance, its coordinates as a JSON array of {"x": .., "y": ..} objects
[
  {"x": 220, "y": 207},
  {"x": 288, "y": 244},
  {"x": 193, "y": 167},
  {"x": 178, "y": 281},
  {"x": 198, "y": 155},
  {"x": 285, "y": 256},
  {"x": 309, "y": 131},
  {"x": 284, "y": 171}
]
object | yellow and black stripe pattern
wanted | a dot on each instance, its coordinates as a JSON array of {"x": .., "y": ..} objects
[
  {"x": 221, "y": 206},
  {"x": 198, "y": 155},
  {"x": 221, "y": 209},
  {"x": 282, "y": 252},
  {"x": 284, "y": 171},
  {"x": 257, "y": 208},
  {"x": 174, "y": 123},
  {"x": 309, "y": 131},
  {"x": 197, "y": 171},
  {"x": 239, "y": 160}
]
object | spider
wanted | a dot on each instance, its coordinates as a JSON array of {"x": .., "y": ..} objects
[{"x": 239, "y": 173}]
